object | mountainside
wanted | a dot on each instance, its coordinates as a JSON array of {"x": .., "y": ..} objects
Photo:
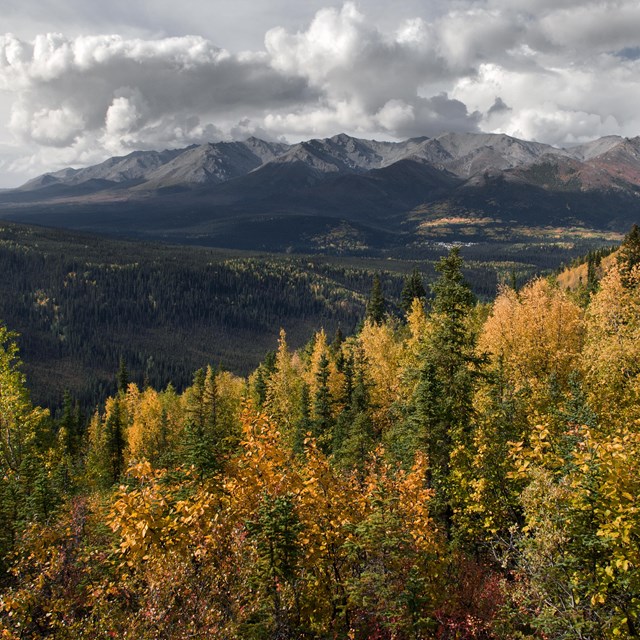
[{"x": 396, "y": 190}]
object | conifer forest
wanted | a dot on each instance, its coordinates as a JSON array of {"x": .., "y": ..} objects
[{"x": 445, "y": 467}]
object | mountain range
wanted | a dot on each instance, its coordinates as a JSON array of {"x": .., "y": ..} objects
[{"x": 342, "y": 193}]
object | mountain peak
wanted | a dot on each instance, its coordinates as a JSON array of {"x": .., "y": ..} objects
[
  {"x": 461, "y": 154},
  {"x": 212, "y": 190}
]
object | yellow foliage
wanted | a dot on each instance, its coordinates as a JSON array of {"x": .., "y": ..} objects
[
  {"x": 534, "y": 334},
  {"x": 612, "y": 351},
  {"x": 285, "y": 387},
  {"x": 383, "y": 354},
  {"x": 144, "y": 433},
  {"x": 320, "y": 349},
  {"x": 417, "y": 322}
]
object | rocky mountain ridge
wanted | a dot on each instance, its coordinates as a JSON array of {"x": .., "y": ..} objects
[
  {"x": 257, "y": 192},
  {"x": 462, "y": 154}
]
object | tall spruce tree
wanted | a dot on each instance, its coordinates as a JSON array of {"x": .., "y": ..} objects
[
  {"x": 413, "y": 288},
  {"x": 443, "y": 413},
  {"x": 263, "y": 373},
  {"x": 304, "y": 425},
  {"x": 123, "y": 375},
  {"x": 203, "y": 442},
  {"x": 115, "y": 440},
  {"x": 376, "y": 304},
  {"x": 71, "y": 423},
  {"x": 322, "y": 413},
  {"x": 357, "y": 429},
  {"x": 629, "y": 255}
]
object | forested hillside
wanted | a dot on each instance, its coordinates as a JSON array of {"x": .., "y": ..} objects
[
  {"x": 467, "y": 470},
  {"x": 81, "y": 303}
]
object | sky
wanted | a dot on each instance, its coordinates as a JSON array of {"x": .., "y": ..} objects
[{"x": 81, "y": 80}]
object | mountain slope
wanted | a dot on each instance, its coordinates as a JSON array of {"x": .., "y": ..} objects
[{"x": 207, "y": 192}]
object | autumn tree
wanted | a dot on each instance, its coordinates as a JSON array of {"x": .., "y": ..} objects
[
  {"x": 284, "y": 388},
  {"x": 612, "y": 349},
  {"x": 23, "y": 477},
  {"x": 576, "y": 554},
  {"x": 380, "y": 352},
  {"x": 534, "y": 337}
]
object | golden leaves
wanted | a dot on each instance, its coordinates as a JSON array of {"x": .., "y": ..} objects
[{"x": 533, "y": 334}]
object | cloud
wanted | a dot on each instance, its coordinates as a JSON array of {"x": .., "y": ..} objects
[
  {"x": 125, "y": 113},
  {"x": 593, "y": 27},
  {"x": 129, "y": 93},
  {"x": 369, "y": 81},
  {"x": 555, "y": 71},
  {"x": 498, "y": 107}
]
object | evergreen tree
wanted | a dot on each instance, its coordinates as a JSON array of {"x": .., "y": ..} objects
[
  {"x": 338, "y": 339},
  {"x": 358, "y": 428},
  {"x": 413, "y": 288},
  {"x": 115, "y": 440},
  {"x": 376, "y": 304},
  {"x": 263, "y": 373},
  {"x": 443, "y": 412},
  {"x": 452, "y": 294},
  {"x": 592, "y": 277},
  {"x": 322, "y": 414},
  {"x": 513, "y": 279},
  {"x": 304, "y": 424},
  {"x": 275, "y": 531},
  {"x": 201, "y": 444},
  {"x": 629, "y": 256},
  {"x": 123, "y": 375},
  {"x": 71, "y": 423}
]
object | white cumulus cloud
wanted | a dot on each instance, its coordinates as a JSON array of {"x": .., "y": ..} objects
[{"x": 555, "y": 71}]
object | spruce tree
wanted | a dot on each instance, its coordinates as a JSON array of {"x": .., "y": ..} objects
[
  {"x": 123, "y": 375},
  {"x": 442, "y": 419},
  {"x": 115, "y": 441},
  {"x": 71, "y": 423},
  {"x": 322, "y": 414},
  {"x": 358, "y": 429},
  {"x": 304, "y": 425},
  {"x": 338, "y": 339},
  {"x": 629, "y": 255},
  {"x": 413, "y": 288},
  {"x": 200, "y": 442},
  {"x": 263, "y": 374},
  {"x": 376, "y": 304}
]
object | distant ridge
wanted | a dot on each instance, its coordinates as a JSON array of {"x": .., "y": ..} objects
[
  {"x": 218, "y": 190},
  {"x": 463, "y": 154}
]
